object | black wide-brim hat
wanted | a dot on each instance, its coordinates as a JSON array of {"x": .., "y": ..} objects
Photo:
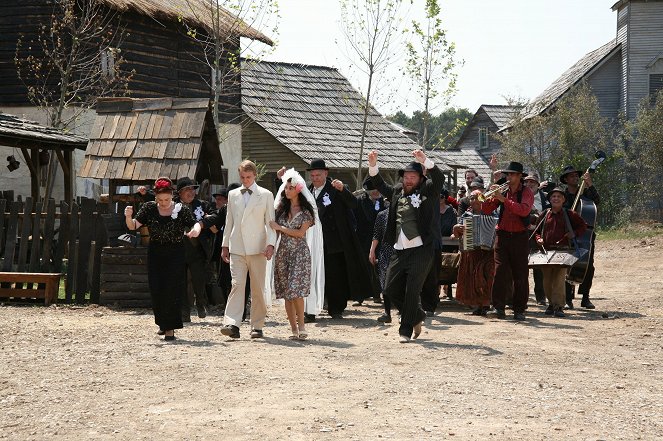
[
  {"x": 412, "y": 167},
  {"x": 318, "y": 164},
  {"x": 185, "y": 182},
  {"x": 569, "y": 169},
  {"x": 368, "y": 184},
  {"x": 223, "y": 192},
  {"x": 514, "y": 167},
  {"x": 556, "y": 190}
]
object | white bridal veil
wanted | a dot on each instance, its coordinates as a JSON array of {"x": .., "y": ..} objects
[{"x": 313, "y": 304}]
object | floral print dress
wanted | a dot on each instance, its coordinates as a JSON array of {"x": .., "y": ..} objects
[{"x": 292, "y": 263}]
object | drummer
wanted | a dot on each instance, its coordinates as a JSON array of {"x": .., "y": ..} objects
[{"x": 552, "y": 234}]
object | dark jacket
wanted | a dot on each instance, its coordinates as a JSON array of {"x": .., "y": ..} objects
[
  {"x": 429, "y": 189},
  {"x": 365, "y": 214},
  {"x": 335, "y": 212}
]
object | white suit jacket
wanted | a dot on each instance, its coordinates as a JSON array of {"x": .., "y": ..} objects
[{"x": 247, "y": 230}]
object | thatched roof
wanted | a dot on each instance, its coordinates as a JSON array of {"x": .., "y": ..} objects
[
  {"x": 316, "y": 113},
  {"x": 193, "y": 12},
  {"x": 142, "y": 139},
  {"x": 18, "y": 132}
]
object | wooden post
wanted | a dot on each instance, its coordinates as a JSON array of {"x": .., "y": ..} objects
[
  {"x": 85, "y": 236},
  {"x": 72, "y": 266}
]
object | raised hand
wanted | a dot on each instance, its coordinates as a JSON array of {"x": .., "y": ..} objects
[
  {"x": 419, "y": 155},
  {"x": 338, "y": 185},
  {"x": 493, "y": 162},
  {"x": 372, "y": 158},
  {"x": 129, "y": 211},
  {"x": 587, "y": 177},
  {"x": 281, "y": 172}
]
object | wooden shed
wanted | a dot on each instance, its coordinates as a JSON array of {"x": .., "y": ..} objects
[
  {"x": 34, "y": 141},
  {"x": 135, "y": 141}
]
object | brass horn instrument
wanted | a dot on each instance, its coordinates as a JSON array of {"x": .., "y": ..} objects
[{"x": 489, "y": 194}]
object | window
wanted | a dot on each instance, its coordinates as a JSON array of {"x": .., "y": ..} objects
[
  {"x": 655, "y": 84},
  {"x": 108, "y": 63},
  {"x": 483, "y": 137}
]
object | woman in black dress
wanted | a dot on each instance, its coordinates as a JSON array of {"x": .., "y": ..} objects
[{"x": 167, "y": 223}]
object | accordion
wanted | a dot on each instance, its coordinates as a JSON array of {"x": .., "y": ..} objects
[{"x": 479, "y": 232}]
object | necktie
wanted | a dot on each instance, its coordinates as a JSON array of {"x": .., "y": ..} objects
[{"x": 244, "y": 190}]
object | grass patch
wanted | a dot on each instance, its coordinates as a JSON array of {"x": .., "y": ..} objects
[{"x": 635, "y": 231}]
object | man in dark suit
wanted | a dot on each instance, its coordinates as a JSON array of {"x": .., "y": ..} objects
[
  {"x": 412, "y": 232},
  {"x": 198, "y": 251},
  {"x": 346, "y": 269}
]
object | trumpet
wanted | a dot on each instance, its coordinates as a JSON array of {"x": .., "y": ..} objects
[{"x": 489, "y": 194}]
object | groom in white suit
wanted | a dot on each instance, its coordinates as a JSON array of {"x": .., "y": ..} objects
[{"x": 248, "y": 243}]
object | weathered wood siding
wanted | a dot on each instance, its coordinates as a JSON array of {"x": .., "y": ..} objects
[
  {"x": 167, "y": 63},
  {"x": 605, "y": 83},
  {"x": 645, "y": 42},
  {"x": 470, "y": 139}
]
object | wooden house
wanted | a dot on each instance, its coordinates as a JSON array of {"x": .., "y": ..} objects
[
  {"x": 165, "y": 59},
  {"x": 477, "y": 143},
  {"x": 135, "y": 141},
  {"x": 296, "y": 113}
]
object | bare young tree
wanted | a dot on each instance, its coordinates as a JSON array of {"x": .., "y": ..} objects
[
  {"x": 222, "y": 50},
  {"x": 74, "y": 60},
  {"x": 431, "y": 62},
  {"x": 371, "y": 28}
]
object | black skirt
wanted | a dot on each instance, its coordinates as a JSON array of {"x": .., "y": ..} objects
[{"x": 166, "y": 272}]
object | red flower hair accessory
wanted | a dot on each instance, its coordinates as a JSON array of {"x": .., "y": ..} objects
[{"x": 162, "y": 184}]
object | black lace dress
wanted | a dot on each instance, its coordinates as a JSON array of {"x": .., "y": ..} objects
[{"x": 166, "y": 266}]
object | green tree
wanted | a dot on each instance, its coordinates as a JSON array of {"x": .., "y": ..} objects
[
  {"x": 430, "y": 63},
  {"x": 444, "y": 129}
]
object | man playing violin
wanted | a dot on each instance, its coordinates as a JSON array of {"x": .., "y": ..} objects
[{"x": 571, "y": 177}]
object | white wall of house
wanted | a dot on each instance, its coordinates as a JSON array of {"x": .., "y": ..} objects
[{"x": 19, "y": 180}]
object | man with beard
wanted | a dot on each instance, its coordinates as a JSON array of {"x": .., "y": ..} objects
[
  {"x": 412, "y": 232},
  {"x": 198, "y": 251},
  {"x": 346, "y": 268}
]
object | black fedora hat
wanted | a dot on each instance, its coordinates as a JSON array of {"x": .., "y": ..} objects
[
  {"x": 368, "y": 184},
  {"x": 514, "y": 167},
  {"x": 223, "y": 193},
  {"x": 318, "y": 164},
  {"x": 412, "y": 167},
  {"x": 569, "y": 169},
  {"x": 185, "y": 182},
  {"x": 556, "y": 190}
]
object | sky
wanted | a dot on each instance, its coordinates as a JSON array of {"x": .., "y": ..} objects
[{"x": 510, "y": 48}]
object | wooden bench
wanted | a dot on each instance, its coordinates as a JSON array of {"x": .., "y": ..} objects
[{"x": 26, "y": 285}]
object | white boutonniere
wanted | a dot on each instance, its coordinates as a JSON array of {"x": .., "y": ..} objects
[
  {"x": 415, "y": 200},
  {"x": 325, "y": 200},
  {"x": 199, "y": 213},
  {"x": 176, "y": 210}
]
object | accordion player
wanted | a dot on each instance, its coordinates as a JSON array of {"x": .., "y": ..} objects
[{"x": 479, "y": 232}]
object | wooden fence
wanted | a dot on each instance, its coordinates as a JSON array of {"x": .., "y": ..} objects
[{"x": 45, "y": 238}]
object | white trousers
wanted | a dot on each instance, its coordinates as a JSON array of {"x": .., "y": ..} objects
[{"x": 255, "y": 265}]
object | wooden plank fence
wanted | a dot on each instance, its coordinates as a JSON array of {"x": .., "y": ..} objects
[{"x": 45, "y": 238}]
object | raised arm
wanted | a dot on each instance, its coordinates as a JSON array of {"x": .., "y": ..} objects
[{"x": 385, "y": 189}]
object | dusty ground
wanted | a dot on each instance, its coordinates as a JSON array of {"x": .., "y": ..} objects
[{"x": 97, "y": 373}]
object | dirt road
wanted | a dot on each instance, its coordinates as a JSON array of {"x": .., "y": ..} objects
[{"x": 96, "y": 373}]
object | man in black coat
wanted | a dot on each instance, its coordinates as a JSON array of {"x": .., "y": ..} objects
[
  {"x": 198, "y": 251},
  {"x": 413, "y": 233},
  {"x": 369, "y": 204},
  {"x": 346, "y": 268}
]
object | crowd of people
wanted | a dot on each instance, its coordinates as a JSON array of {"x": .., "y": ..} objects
[{"x": 318, "y": 246}]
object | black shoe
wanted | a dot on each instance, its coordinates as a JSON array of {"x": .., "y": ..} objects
[
  {"x": 559, "y": 313},
  {"x": 569, "y": 305},
  {"x": 231, "y": 331},
  {"x": 384, "y": 318},
  {"x": 430, "y": 313},
  {"x": 202, "y": 312},
  {"x": 169, "y": 337},
  {"x": 550, "y": 310},
  {"x": 186, "y": 319},
  {"x": 336, "y": 316},
  {"x": 519, "y": 316},
  {"x": 309, "y": 318},
  {"x": 500, "y": 314},
  {"x": 587, "y": 304},
  {"x": 479, "y": 311},
  {"x": 541, "y": 303},
  {"x": 256, "y": 333}
]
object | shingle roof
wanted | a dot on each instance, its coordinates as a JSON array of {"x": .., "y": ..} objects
[
  {"x": 15, "y": 131},
  {"x": 142, "y": 139},
  {"x": 466, "y": 158},
  {"x": 316, "y": 113},
  {"x": 569, "y": 78},
  {"x": 499, "y": 114}
]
